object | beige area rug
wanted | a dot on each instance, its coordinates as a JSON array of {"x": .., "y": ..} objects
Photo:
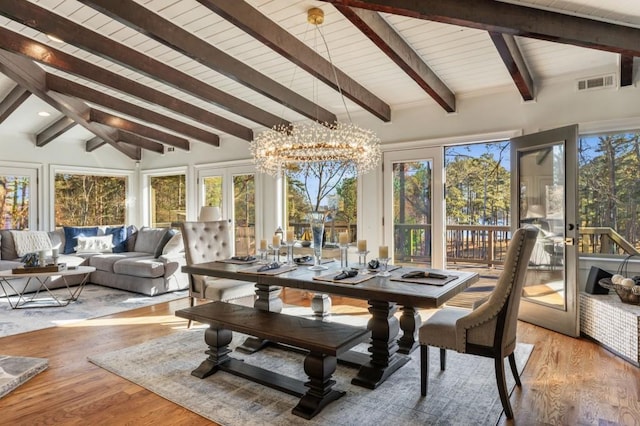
[
  {"x": 464, "y": 394},
  {"x": 94, "y": 301}
]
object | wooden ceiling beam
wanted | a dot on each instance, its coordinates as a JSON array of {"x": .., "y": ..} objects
[
  {"x": 71, "y": 88},
  {"x": 12, "y": 101},
  {"x": 514, "y": 19},
  {"x": 142, "y": 142},
  {"x": 42, "y": 20},
  {"x": 121, "y": 123},
  {"x": 512, "y": 57},
  {"x": 132, "y": 14},
  {"x": 254, "y": 23},
  {"x": 626, "y": 70},
  {"x": 54, "y": 130},
  {"x": 94, "y": 143},
  {"x": 393, "y": 45},
  {"x": 54, "y": 58},
  {"x": 30, "y": 76}
]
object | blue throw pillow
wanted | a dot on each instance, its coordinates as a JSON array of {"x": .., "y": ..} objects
[
  {"x": 119, "y": 238},
  {"x": 71, "y": 234}
]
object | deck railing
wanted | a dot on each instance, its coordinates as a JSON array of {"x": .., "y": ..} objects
[{"x": 487, "y": 245}]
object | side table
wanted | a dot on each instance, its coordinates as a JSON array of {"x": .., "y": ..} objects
[{"x": 44, "y": 278}]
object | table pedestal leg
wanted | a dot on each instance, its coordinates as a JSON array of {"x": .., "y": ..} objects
[
  {"x": 410, "y": 322},
  {"x": 321, "y": 305},
  {"x": 268, "y": 299},
  {"x": 384, "y": 333},
  {"x": 218, "y": 341}
]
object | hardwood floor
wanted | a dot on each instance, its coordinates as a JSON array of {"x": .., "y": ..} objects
[{"x": 566, "y": 381}]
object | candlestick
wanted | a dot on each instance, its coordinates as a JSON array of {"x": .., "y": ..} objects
[
  {"x": 383, "y": 252},
  {"x": 362, "y": 245},
  {"x": 343, "y": 238},
  {"x": 263, "y": 244},
  {"x": 290, "y": 236}
]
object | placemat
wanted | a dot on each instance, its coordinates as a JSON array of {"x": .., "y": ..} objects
[
  {"x": 254, "y": 270},
  {"x": 429, "y": 281},
  {"x": 351, "y": 280},
  {"x": 237, "y": 261}
]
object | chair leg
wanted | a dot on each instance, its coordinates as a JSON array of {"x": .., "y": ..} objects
[
  {"x": 424, "y": 369},
  {"x": 443, "y": 359},
  {"x": 514, "y": 369},
  {"x": 502, "y": 387},
  {"x": 192, "y": 301}
]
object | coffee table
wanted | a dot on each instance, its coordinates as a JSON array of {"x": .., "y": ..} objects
[{"x": 44, "y": 278}]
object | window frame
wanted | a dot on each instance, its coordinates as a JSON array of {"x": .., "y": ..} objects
[{"x": 130, "y": 199}]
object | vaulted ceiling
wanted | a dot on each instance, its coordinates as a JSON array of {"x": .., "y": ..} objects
[{"x": 152, "y": 74}]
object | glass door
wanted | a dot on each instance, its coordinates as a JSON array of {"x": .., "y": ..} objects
[
  {"x": 544, "y": 192},
  {"x": 233, "y": 189},
  {"x": 414, "y": 207}
]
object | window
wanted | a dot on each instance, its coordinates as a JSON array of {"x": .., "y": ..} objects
[
  {"x": 89, "y": 199},
  {"x": 609, "y": 192},
  {"x": 323, "y": 187},
  {"x": 17, "y": 201},
  {"x": 168, "y": 199}
]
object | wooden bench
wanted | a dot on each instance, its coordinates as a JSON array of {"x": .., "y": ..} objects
[{"x": 324, "y": 341}]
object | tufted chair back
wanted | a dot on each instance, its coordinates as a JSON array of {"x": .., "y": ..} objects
[{"x": 205, "y": 242}]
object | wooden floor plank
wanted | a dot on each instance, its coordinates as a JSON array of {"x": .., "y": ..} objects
[{"x": 566, "y": 381}]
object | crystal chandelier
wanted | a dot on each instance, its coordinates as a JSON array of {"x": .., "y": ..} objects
[{"x": 297, "y": 146}]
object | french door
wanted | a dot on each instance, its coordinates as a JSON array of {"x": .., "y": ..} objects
[
  {"x": 414, "y": 206},
  {"x": 544, "y": 189},
  {"x": 233, "y": 189}
]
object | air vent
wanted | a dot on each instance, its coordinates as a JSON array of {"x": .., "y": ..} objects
[
  {"x": 594, "y": 83},
  {"x": 171, "y": 149}
]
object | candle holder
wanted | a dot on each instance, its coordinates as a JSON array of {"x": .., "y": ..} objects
[
  {"x": 344, "y": 261},
  {"x": 384, "y": 261},
  {"x": 362, "y": 259},
  {"x": 290, "y": 245},
  {"x": 263, "y": 255},
  {"x": 275, "y": 253}
]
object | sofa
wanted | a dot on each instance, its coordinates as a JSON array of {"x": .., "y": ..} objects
[{"x": 146, "y": 260}]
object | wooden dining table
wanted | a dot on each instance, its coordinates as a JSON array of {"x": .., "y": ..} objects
[{"x": 384, "y": 295}]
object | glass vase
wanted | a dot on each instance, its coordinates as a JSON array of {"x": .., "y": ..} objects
[{"x": 316, "y": 220}]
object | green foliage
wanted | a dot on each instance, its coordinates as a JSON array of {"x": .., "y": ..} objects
[
  {"x": 89, "y": 200},
  {"x": 609, "y": 183},
  {"x": 14, "y": 202},
  {"x": 244, "y": 193},
  {"x": 169, "y": 198},
  {"x": 479, "y": 188}
]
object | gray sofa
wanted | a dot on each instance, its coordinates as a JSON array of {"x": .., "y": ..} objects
[{"x": 149, "y": 261}]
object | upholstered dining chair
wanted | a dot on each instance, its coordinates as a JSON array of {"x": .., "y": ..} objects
[
  {"x": 489, "y": 329},
  {"x": 208, "y": 242}
]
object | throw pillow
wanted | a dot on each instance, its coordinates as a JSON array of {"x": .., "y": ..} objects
[
  {"x": 71, "y": 234},
  {"x": 147, "y": 239},
  {"x": 119, "y": 238},
  {"x": 101, "y": 244},
  {"x": 165, "y": 239},
  {"x": 174, "y": 245}
]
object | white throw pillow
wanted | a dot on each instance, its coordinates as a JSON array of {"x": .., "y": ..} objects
[
  {"x": 174, "y": 245},
  {"x": 99, "y": 244}
]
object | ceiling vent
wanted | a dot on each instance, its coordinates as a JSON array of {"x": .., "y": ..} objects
[{"x": 594, "y": 83}]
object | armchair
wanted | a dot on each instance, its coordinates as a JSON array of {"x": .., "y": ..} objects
[
  {"x": 489, "y": 329},
  {"x": 208, "y": 242}
]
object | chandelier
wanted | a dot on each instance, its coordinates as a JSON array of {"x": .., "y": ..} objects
[{"x": 299, "y": 145}]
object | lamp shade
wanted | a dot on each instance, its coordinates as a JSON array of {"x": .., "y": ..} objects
[{"x": 210, "y": 213}]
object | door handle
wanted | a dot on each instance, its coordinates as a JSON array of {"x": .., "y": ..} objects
[{"x": 569, "y": 241}]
